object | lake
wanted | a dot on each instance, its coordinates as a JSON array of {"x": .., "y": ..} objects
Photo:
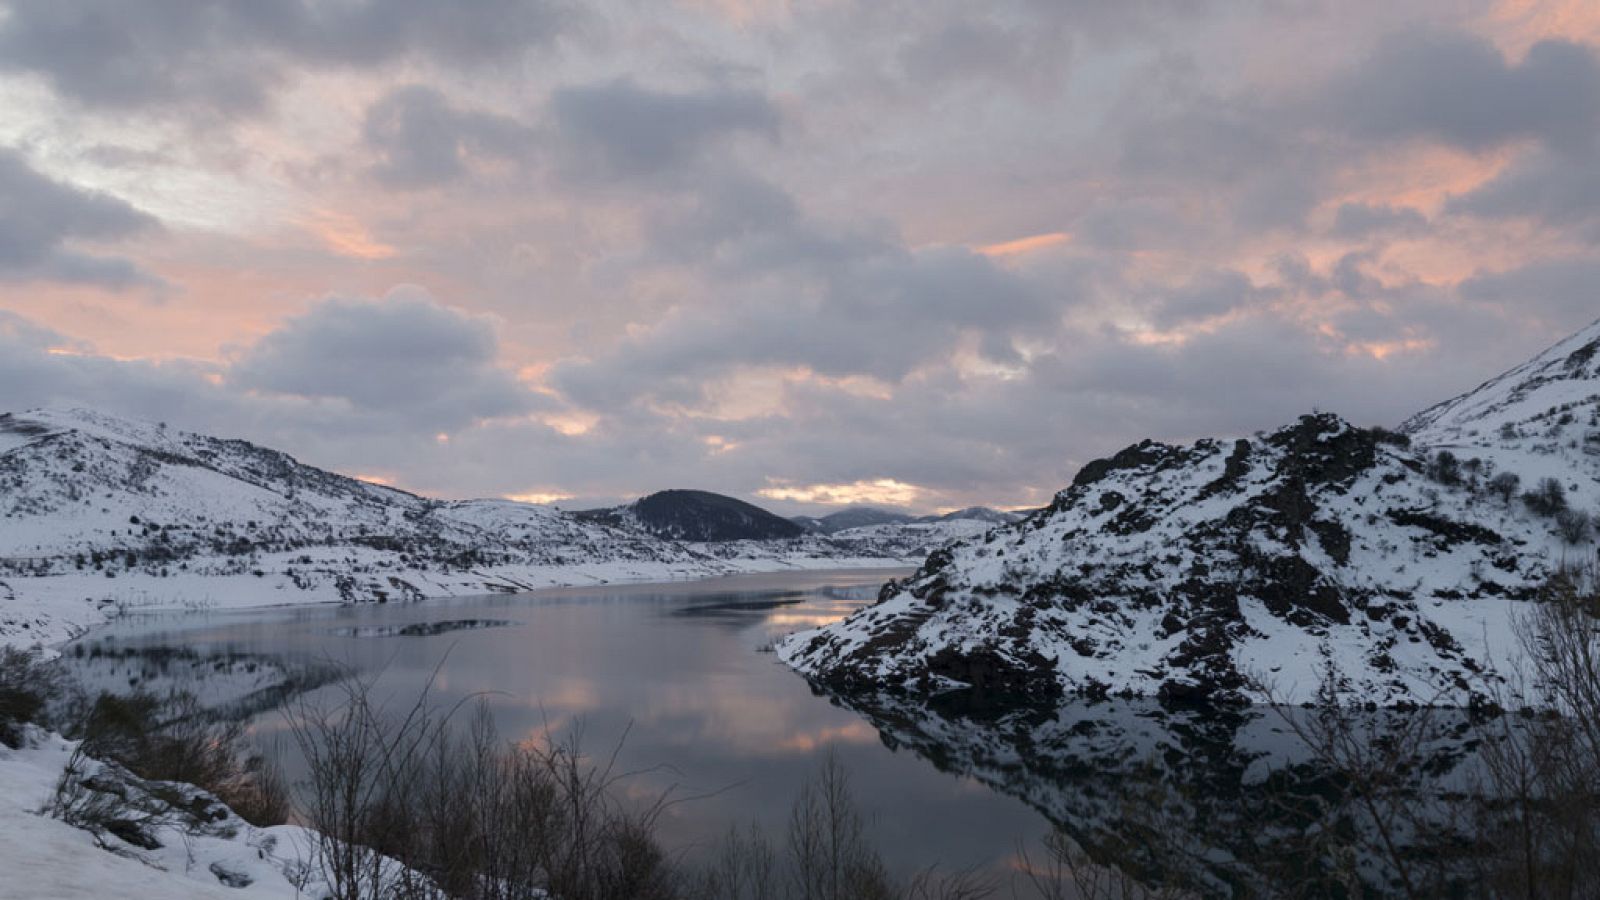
[
  {"x": 678, "y": 675},
  {"x": 679, "y": 670}
]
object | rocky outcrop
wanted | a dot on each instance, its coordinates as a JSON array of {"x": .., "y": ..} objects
[{"x": 1203, "y": 573}]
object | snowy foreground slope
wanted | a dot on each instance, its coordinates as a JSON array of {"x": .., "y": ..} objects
[
  {"x": 186, "y": 843},
  {"x": 100, "y": 514},
  {"x": 1188, "y": 572}
]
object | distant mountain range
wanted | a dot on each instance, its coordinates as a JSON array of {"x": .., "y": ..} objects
[
  {"x": 1192, "y": 572},
  {"x": 99, "y": 513}
]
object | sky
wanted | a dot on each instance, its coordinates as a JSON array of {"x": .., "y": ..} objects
[{"x": 920, "y": 253}]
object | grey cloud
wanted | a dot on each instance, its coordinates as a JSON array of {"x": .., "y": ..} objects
[
  {"x": 620, "y": 130},
  {"x": 1459, "y": 89},
  {"x": 41, "y": 221},
  {"x": 403, "y": 356},
  {"x": 1206, "y": 296},
  {"x": 1558, "y": 189},
  {"x": 1359, "y": 220},
  {"x": 227, "y": 55},
  {"x": 1564, "y": 292},
  {"x": 881, "y": 317},
  {"x": 422, "y": 140}
]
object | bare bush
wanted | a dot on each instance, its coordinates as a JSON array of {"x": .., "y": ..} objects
[
  {"x": 1547, "y": 499},
  {"x": 173, "y": 738},
  {"x": 1574, "y": 525},
  {"x": 1064, "y": 872},
  {"x": 1538, "y": 810},
  {"x": 1505, "y": 485},
  {"x": 28, "y": 683},
  {"x": 407, "y": 808}
]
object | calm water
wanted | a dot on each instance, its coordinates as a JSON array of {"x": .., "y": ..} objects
[
  {"x": 1214, "y": 800},
  {"x": 679, "y": 669}
]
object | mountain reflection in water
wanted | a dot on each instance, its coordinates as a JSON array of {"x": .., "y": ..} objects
[{"x": 1228, "y": 802}]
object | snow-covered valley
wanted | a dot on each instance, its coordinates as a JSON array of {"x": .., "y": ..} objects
[{"x": 101, "y": 515}]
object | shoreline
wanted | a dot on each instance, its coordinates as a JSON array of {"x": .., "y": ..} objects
[{"x": 50, "y": 611}]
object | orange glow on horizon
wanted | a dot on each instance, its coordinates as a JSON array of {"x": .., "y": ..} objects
[
  {"x": 540, "y": 498},
  {"x": 879, "y": 490}
]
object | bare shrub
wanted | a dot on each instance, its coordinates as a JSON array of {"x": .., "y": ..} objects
[
  {"x": 28, "y": 683},
  {"x": 1547, "y": 499},
  {"x": 1538, "y": 811},
  {"x": 1505, "y": 485},
  {"x": 1574, "y": 525},
  {"x": 1064, "y": 872},
  {"x": 827, "y": 854},
  {"x": 173, "y": 738},
  {"x": 406, "y": 807}
]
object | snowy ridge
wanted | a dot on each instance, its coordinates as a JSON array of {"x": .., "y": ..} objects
[
  {"x": 100, "y": 514},
  {"x": 1567, "y": 374},
  {"x": 1198, "y": 572}
]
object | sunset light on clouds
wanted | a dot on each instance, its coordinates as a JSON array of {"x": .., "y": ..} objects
[{"x": 921, "y": 254}]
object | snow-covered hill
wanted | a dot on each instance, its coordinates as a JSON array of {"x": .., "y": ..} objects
[
  {"x": 1539, "y": 420},
  {"x": 100, "y": 514},
  {"x": 1188, "y": 572}
]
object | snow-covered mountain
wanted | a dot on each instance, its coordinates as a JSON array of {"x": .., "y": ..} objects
[
  {"x": 76, "y": 484},
  {"x": 1190, "y": 572},
  {"x": 99, "y": 513}
]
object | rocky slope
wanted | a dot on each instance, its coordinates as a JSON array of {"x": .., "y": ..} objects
[{"x": 1199, "y": 572}]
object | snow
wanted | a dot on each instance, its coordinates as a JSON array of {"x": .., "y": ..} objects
[
  {"x": 43, "y": 857},
  {"x": 101, "y": 515},
  {"x": 1171, "y": 570}
]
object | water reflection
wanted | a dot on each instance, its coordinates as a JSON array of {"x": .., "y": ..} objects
[
  {"x": 677, "y": 668},
  {"x": 1220, "y": 803}
]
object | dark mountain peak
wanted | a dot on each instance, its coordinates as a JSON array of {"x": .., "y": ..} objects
[{"x": 692, "y": 515}]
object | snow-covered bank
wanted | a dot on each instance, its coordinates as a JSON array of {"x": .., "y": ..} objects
[
  {"x": 42, "y": 856},
  {"x": 52, "y": 609}
]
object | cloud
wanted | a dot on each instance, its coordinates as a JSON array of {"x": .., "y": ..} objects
[
  {"x": 1564, "y": 291},
  {"x": 404, "y": 357},
  {"x": 226, "y": 56},
  {"x": 1207, "y": 295},
  {"x": 422, "y": 140},
  {"x": 619, "y": 130},
  {"x": 1360, "y": 220},
  {"x": 42, "y": 220},
  {"x": 1458, "y": 89},
  {"x": 880, "y": 317},
  {"x": 1553, "y": 188}
]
